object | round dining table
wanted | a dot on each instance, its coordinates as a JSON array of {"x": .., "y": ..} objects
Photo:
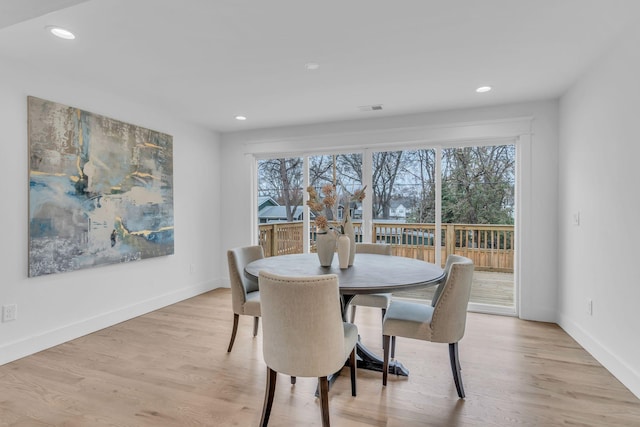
[{"x": 369, "y": 274}]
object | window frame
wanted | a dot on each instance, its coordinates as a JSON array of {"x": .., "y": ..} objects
[{"x": 516, "y": 131}]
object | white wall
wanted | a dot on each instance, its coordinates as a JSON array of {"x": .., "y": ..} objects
[
  {"x": 53, "y": 309},
  {"x": 600, "y": 158},
  {"x": 539, "y": 267}
]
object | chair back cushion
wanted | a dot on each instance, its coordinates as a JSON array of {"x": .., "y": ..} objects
[
  {"x": 447, "y": 266},
  {"x": 302, "y": 329},
  {"x": 238, "y": 258},
  {"x": 373, "y": 248},
  {"x": 450, "y": 312}
]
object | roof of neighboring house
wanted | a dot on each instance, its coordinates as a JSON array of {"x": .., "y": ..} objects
[
  {"x": 279, "y": 213},
  {"x": 264, "y": 201},
  {"x": 398, "y": 202}
]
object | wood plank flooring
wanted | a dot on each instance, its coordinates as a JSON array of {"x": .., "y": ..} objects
[{"x": 171, "y": 368}]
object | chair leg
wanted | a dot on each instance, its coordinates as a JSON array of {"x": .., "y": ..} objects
[
  {"x": 324, "y": 400},
  {"x": 353, "y": 313},
  {"x": 393, "y": 339},
  {"x": 293, "y": 380},
  {"x": 233, "y": 332},
  {"x": 272, "y": 376},
  {"x": 455, "y": 368},
  {"x": 384, "y": 311},
  {"x": 256, "y": 320},
  {"x": 353, "y": 366},
  {"x": 385, "y": 362},
  {"x": 393, "y": 347}
]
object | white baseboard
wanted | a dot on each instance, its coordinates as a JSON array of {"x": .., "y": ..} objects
[
  {"x": 35, "y": 343},
  {"x": 618, "y": 368}
]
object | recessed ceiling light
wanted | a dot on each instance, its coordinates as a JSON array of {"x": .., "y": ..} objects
[
  {"x": 60, "y": 32},
  {"x": 482, "y": 89},
  {"x": 311, "y": 66},
  {"x": 240, "y": 118}
]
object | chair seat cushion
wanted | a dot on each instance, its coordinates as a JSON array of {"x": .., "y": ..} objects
[
  {"x": 372, "y": 300},
  {"x": 252, "y": 304},
  {"x": 408, "y": 319}
]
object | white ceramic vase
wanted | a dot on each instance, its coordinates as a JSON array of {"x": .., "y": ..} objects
[
  {"x": 344, "y": 247},
  {"x": 326, "y": 247}
]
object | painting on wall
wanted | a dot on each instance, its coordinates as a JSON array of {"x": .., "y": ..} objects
[{"x": 100, "y": 190}]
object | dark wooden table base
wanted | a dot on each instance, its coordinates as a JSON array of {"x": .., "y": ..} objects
[{"x": 370, "y": 361}]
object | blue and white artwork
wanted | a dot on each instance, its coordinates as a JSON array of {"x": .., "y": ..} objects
[{"x": 100, "y": 190}]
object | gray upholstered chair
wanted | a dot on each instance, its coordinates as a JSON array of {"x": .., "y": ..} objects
[
  {"x": 245, "y": 296},
  {"x": 442, "y": 322},
  {"x": 380, "y": 301},
  {"x": 303, "y": 333}
]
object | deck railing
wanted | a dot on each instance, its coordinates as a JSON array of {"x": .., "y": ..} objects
[{"x": 491, "y": 247}]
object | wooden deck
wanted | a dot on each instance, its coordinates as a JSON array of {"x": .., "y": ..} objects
[{"x": 488, "y": 288}]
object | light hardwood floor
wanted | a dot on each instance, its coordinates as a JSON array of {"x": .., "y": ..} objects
[{"x": 171, "y": 368}]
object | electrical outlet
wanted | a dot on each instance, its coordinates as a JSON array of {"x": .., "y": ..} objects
[
  {"x": 9, "y": 312},
  {"x": 590, "y": 307}
]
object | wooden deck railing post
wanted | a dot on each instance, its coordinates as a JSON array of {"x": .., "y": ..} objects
[
  {"x": 274, "y": 240},
  {"x": 449, "y": 240}
]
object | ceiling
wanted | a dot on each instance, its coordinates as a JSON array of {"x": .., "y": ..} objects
[{"x": 206, "y": 61}]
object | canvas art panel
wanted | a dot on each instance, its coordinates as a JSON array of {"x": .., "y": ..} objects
[{"x": 100, "y": 190}]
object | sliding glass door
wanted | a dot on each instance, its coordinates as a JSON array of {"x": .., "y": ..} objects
[
  {"x": 478, "y": 218},
  {"x": 426, "y": 202}
]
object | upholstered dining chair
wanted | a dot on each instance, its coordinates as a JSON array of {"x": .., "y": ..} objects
[
  {"x": 245, "y": 296},
  {"x": 447, "y": 267},
  {"x": 380, "y": 301},
  {"x": 442, "y": 322},
  {"x": 303, "y": 334}
]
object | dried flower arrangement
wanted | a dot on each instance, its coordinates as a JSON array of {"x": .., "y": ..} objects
[{"x": 322, "y": 207}]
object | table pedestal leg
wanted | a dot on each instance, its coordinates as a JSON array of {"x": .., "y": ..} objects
[
  {"x": 369, "y": 360},
  {"x": 365, "y": 358}
]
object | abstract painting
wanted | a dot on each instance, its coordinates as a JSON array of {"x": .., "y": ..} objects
[{"x": 100, "y": 190}]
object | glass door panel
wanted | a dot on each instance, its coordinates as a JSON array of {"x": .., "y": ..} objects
[
  {"x": 344, "y": 171},
  {"x": 478, "y": 201},
  {"x": 280, "y": 208},
  {"x": 404, "y": 208}
]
